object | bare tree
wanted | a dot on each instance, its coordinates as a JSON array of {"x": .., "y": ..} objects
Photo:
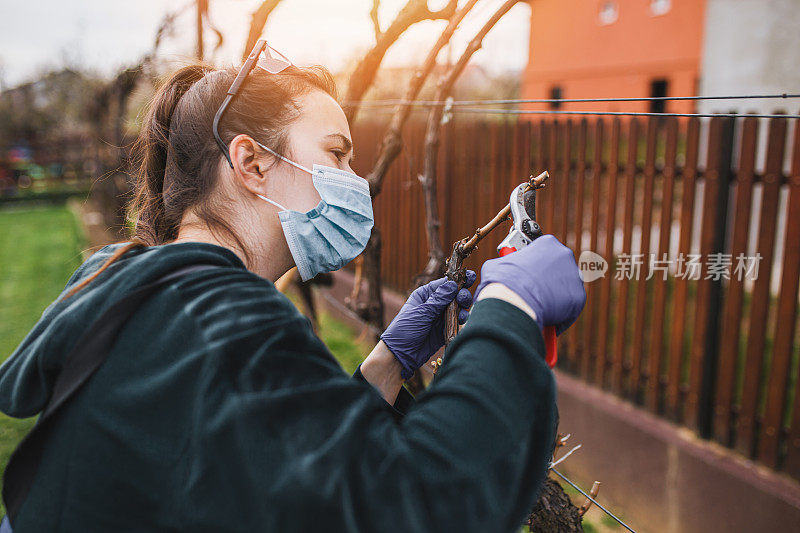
[
  {"x": 202, "y": 19},
  {"x": 436, "y": 255},
  {"x": 370, "y": 307},
  {"x": 106, "y": 113},
  {"x": 202, "y": 9}
]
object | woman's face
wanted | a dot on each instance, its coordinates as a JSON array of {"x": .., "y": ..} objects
[{"x": 320, "y": 135}]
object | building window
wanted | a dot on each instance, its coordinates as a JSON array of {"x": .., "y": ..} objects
[
  {"x": 555, "y": 94},
  {"x": 658, "y": 89},
  {"x": 660, "y": 7},
  {"x": 609, "y": 13}
]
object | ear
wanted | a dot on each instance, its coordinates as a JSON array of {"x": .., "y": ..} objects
[{"x": 249, "y": 166}]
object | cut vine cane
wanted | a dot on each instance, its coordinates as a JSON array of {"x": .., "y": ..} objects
[{"x": 456, "y": 270}]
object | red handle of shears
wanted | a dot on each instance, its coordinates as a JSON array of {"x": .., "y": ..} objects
[{"x": 550, "y": 338}]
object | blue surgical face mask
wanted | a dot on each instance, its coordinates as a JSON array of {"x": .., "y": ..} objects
[{"x": 336, "y": 230}]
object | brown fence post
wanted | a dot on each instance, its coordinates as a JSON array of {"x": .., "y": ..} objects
[
  {"x": 791, "y": 268},
  {"x": 621, "y": 313},
  {"x": 778, "y": 385},
  {"x": 548, "y": 214},
  {"x": 590, "y": 344},
  {"x": 640, "y": 300},
  {"x": 563, "y": 185},
  {"x": 660, "y": 292},
  {"x": 676, "y": 351},
  {"x": 604, "y": 303},
  {"x": 697, "y": 361},
  {"x": 574, "y": 335},
  {"x": 756, "y": 342},
  {"x": 721, "y": 190},
  {"x": 734, "y": 299}
]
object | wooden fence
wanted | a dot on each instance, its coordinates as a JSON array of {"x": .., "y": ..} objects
[{"x": 713, "y": 349}]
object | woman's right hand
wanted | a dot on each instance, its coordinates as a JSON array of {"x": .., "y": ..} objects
[{"x": 545, "y": 275}]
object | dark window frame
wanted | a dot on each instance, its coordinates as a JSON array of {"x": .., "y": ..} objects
[
  {"x": 556, "y": 93},
  {"x": 659, "y": 87}
]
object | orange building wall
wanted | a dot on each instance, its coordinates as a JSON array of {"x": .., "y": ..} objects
[{"x": 569, "y": 47}]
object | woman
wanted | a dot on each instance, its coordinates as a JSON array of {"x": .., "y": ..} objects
[{"x": 218, "y": 409}]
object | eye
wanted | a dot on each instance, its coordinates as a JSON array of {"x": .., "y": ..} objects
[{"x": 338, "y": 153}]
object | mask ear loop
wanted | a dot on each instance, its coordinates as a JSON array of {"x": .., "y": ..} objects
[
  {"x": 273, "y": 202},
  {"x": 301, "y": 167}
]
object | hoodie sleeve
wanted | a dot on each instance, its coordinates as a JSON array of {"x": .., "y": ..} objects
[
  {"x": 27, "y": 375},
  {"x": 284, "y": 440}
]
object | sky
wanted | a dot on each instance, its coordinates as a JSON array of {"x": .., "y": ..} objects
[{"x": 104, "y": 35}]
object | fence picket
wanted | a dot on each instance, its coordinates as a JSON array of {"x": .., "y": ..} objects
[
  {"x": 660, "y": 303},
  {"x": 732, "y": 313},
  {"x": 756, "y": 341},
  {"x": 791, "y": 266},
  {"x": 778, "y": 385},
  {"x": 618, "y": 367},
  {"x": 589, "y": 343},
  {"x": 710, "y": 184},
  {"x": 604, "y": 302},
  {"x": 640, "y": 314},
  {"x": 552, "y": 165},
  {"x": 679, "y": 318}
]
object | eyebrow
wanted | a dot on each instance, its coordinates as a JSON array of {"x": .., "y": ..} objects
[{"x": 348, "y": 144}]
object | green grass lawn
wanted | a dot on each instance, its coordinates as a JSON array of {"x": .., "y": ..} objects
[
  {"x": 340, "y": 338},
  {"x": 40, "y": 248}
]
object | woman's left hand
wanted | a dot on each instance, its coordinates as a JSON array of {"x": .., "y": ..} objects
[{"x": 417, "y": 332}]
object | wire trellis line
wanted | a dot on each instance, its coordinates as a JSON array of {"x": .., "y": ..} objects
[
  {"x": 606, "y": 113},
  {"x": 432, "y": 103},
  {"x": 615, "y": 113},
  {"x": 576, "y": 487}
]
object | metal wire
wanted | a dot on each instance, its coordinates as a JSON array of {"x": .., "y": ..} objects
[
  {"x": 609, "y": 513},
  {"x": 613, "y": 113},
  {"x": 604, "y": 113},
  {"x": 432, "y": 103}
]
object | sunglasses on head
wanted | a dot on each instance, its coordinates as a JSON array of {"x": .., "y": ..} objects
[{"x": 262, "y": 56}]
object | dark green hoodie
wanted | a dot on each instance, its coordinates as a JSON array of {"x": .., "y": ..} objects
[{"x": 218, "y": 409}]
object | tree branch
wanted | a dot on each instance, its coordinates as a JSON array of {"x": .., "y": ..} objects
[
  {"x": 364, "y": 74},
  {"x": 373, "y": 14},
  {"x": 167, "y": 27},
  {"x": 257, "y": 22},
  {"x": 392, "y": 141}
]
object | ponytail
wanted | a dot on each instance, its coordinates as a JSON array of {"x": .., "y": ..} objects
[{"x": 152, "y": 147}]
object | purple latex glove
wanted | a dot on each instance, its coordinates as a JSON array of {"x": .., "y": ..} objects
[
  {"x": 417, "y": 332},
  {"x": 545, "y": 275}
]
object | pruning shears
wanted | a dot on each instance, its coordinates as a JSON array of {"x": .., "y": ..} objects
[{"x": 524, "y": 230}]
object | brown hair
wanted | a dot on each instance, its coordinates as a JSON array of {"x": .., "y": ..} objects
[{"x": 177, "y": 158}]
